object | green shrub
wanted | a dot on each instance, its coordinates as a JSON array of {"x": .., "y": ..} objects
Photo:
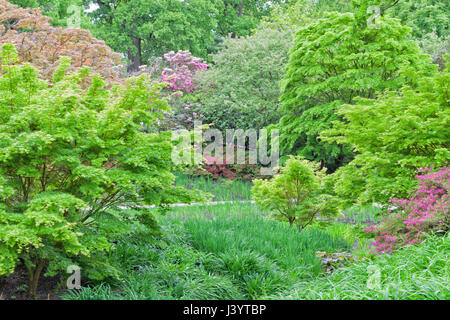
[
  {"x": 241, "y": 90},
  {"x": 413, "y": 273},
  {"x": 393, "y": 136},
  {"x": 296, "y": 194},
  {"x": 69, "y": 151}
]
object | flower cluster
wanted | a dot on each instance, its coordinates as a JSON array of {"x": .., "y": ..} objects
[
  {"x": 427, "y": 209},
  {"x": 181, "y": 69}
]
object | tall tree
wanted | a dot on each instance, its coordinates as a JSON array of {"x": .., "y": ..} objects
[
  {"x": 333, "y": 61},
  {"x": 240, "y": 17},
  {"x": 142, "y": 29}
]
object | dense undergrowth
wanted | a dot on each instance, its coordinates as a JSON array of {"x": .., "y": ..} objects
[{"x": 233, "y": 251}]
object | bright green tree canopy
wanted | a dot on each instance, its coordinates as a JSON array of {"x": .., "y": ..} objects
[{"x": 333, "y": 62}]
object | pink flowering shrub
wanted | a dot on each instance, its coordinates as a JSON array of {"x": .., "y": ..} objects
[
  {"x": 426, "y": 210},
  {"x": 181, "y": 68}
]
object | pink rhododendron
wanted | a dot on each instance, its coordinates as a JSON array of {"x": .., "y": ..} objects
[
  {"x": 427, "y": 209},
  {"x": 181, "y": 69}
]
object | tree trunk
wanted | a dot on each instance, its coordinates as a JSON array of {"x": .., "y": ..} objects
[
  {"x": 291, "y": 221},
  {"x": 136, "y": 59},
  {"x": 33, "y": 278}
]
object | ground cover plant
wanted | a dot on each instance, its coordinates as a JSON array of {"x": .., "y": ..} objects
[
  {"x": 393, "y": 277},
  {"x": 227, "y": 251}
]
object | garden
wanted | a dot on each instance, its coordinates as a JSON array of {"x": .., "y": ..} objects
[{"x": 224, "y": 150}]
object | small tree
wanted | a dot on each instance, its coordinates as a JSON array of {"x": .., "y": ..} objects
[
  {"x": 69, "y": 153},
  {"x": 42, "y": 45},
  {"x": 296, "y": 193}
]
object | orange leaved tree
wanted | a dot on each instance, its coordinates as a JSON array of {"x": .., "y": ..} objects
[{"x": 42, "y": 45}]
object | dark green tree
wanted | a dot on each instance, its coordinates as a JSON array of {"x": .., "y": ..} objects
[{"x": 142, "y": 29}]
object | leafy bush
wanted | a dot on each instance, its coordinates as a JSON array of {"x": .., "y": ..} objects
[
  {"x": 241, "y": 88},
  {"x": 295, "y": 194},
  {"x": 427, "y": 210},
  {"x": 393, "y": 136},
  {"x": 424, "y": 16},
  {"x": 71, "y": 150},
  {"x": 334, "y": 60},
  {"x": 211, "y": 168}
]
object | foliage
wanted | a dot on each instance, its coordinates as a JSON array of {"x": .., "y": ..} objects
[
  {"x": 240, "y": 89},
  {"x": 69, "y": 153},
  {"x": 232, "y": 253},
  {"x": 145, "y": 29},
  {"x": 333, "y": 62},
  {"x": 436, "y": 47},
  {"x": 296, "y": 14},
  {"x": 182, "y": 67},
  {"x": 240, "y": 17},
  {"x": 222, "y": 170},
  {"x": 426, "y": 210},
  {"x": 393, "y": 136},
  {"x": 59, "y": 10},
  {"x": 40, "y": 44},
  {"x": 413, "y": 273},
  {"x": 424, "y": 16},
  {"x": 295, "y": 194},
  {"x": 177, "y": 71},
  {"x": 222, "y": 190}
]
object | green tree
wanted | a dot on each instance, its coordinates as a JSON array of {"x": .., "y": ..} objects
[
  {"x": 59, "y": 10},
  {"x": 241, "y": 88},
  {"x": 240, "y": 17},
  {"x": 144, "y": 29},
  {"x": 334, "y": 61},
  {"x": 70, "y": 151},
  {"x": 393, "y": 136},
  {"x": 296, "y": 194},
  {"x": 295, "y": 14},
  {"x": 424, "y": 16}
]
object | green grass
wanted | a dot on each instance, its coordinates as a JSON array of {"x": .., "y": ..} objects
[
  {"x": 223, "y": 190},
  {"x": 244, "y": 227},
  {"x": 415, "y": 272},
  {"x": 219, "y": 252}
]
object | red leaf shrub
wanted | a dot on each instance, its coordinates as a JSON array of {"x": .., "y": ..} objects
[{"x": 42, "y": 45}]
